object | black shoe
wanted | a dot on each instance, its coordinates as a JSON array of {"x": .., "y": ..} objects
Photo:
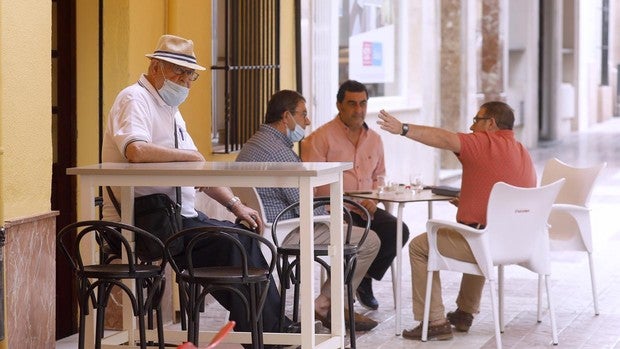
[
  {"x": 294, "y": 327},
  {"x": 365, "y": 296},
  {"x": 461, "y": 320}
]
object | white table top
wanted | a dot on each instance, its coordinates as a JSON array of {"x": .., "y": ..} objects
[
  {"x": 393, "y": 196},
  {"x": 233, "y": 169}
]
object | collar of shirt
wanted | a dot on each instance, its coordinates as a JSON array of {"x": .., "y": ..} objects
[
  {"x": 144, "y": 82},
  {"x": 347, "y": 128},
  {"x": 273, "y": 131}
]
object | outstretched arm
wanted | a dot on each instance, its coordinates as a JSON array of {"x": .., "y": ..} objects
[{"x": 431, "y": 136}]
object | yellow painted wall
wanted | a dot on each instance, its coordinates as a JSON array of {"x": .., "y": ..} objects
[
  {"x": 25, "y": 108},
  {"x": 287, "y": 45},
  {"x": 131, "y": 29},
  {"x": 87, "y": 80},
  {"x": 192, "y": 19}
]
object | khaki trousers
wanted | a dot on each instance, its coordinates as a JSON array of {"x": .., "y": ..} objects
[
  {"x": 451, "y": 244},
  {"x": 365, "y": 254}
]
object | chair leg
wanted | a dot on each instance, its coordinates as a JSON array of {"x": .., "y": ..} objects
[
  {"x": 500, "y": 296},
  {"x": 296, "y": 293},
  {"x": 82, "y": 330},
  {"x": 141, "y": 314},
  {"x": 283, "y": 287},
  {"x": 160, "y": 327},
  {"x": 593, "y": 281},
  {"x": 427, "y": 305},
  {"x": 496, "y": 315},
  {"x": 256, "y": 342},
  {"x": 190, "y": 311},
  {"x": 100, "y": 314},
  {"x": 182, "y": 305},
  {"x": 394, "y": 276},
  {"x": 554, "y": 329},
  {"x": 540, "y": 295},
  {"x": 351, "y": 314}
]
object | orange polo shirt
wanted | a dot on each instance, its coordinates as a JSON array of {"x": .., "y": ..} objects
[{"x": 488, "y": 158}]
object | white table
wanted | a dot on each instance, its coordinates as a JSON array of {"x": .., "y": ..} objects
[
  {"x": 400, "y": 199},
  {"x": 304, "y": 176}
]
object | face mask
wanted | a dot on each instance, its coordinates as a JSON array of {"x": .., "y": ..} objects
[
  {"x": 173, "y": 94},
  {"x": 297, "y": 134}
]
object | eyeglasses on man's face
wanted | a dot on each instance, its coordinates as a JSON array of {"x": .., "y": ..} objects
[
  {"x": 478, "y": 118},
  {"x": 178, "y": 70},
  {"x": 303, "y": 113}
]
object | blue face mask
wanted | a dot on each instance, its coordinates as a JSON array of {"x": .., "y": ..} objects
[
  {"x": 173, "y": 94},
  {"x": 297, "y": 134}
]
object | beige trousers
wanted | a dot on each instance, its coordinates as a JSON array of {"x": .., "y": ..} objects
[
  {"x": 451, "y": 244},
  {"x": 365, "y": 254}
]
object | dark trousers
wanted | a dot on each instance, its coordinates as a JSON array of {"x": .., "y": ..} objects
[
  {"x": 384, "y": 224},
  {"x": 213, "y": 254}
]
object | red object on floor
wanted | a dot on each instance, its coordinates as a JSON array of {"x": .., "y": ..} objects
[{"x": 215, "y": 341}]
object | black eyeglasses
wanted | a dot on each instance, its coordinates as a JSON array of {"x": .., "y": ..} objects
[{"x": 477, "y": 118}]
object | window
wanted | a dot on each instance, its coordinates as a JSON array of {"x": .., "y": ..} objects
[
  {"x": 246, "y": 70},
  {"x": 367, "y": 45}
]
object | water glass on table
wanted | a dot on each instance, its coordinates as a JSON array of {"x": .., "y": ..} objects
[{"x": 415, "y": 181}]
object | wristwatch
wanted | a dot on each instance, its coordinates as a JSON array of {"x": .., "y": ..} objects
[
  {"x": 229, "y": 205},
  {"x": 405, "y": 130}
]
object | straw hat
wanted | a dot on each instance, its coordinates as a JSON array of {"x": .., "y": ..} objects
[{"x": 176, "y": 50}]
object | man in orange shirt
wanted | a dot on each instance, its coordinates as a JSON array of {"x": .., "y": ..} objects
[
  {"x": 488, "y": 155},
  {"x": 347, "y": 138}
]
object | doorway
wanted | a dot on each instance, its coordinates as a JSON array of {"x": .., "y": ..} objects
[{"x": 64, "y": 138}]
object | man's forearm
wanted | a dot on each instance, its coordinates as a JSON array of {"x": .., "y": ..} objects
[
  {"x": 148, "y": 152},
  {"x": 434, "y": 137}
]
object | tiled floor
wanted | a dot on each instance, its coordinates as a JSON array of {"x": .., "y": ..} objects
[{"x": 577, "y": 325}]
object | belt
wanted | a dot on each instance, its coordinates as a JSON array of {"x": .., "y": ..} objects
[{"x": 474, "y": 225}]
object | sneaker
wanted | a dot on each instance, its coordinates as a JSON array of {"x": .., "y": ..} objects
[
  {"x": 365, "y": 295},
  {"x": 438, "y": 332},
  {"x": 461, "y": 320}
]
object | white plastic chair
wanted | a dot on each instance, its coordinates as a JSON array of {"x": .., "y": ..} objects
[
  {"x": 570, "y": 217},
  {"x": 516, "y": 233}
]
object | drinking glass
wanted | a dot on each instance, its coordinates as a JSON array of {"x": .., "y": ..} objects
[
  {"x": 415, "y": 181},
  {"x": 381, "y": 184}
]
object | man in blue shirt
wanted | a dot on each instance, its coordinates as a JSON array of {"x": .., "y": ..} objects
[{"x": 285, "y": 122}]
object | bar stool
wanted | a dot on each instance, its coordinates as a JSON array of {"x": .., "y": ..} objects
[{"x": 96, "y": 280}]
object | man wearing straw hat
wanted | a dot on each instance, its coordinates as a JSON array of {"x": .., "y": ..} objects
[{"x": 145, "y": 125}]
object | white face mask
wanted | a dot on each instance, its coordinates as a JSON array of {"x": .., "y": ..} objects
[
  {"x": 297, "y": 134},
  {"x": 173, "y": 94}
]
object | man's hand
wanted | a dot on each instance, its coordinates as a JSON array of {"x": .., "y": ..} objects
[
  {"x": 389, "y": 123},
  {"x": 249, "y": 215},
  {"x": 455, "y": 201},
  {"x": 370, "y": 206}
]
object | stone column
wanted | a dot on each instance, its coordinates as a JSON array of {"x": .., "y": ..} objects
[
  {"x": 451, "y": 73},
  {"x": 492, "y": 53}
]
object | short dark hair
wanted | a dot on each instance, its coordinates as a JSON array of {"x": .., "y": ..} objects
[
  {"x": 280, "y": 102},
  {"x": 351, "y": 86},
  {"x": 501, "y": 112}
]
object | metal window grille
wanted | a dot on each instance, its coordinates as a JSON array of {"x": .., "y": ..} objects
[{"x": 249, "y": 69}]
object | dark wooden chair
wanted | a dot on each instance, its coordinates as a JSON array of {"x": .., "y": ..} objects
[
  {"x": 97, "y": 279},
  {"x": 249, "y": 283},
  {"x": 288, "y": 258}
]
